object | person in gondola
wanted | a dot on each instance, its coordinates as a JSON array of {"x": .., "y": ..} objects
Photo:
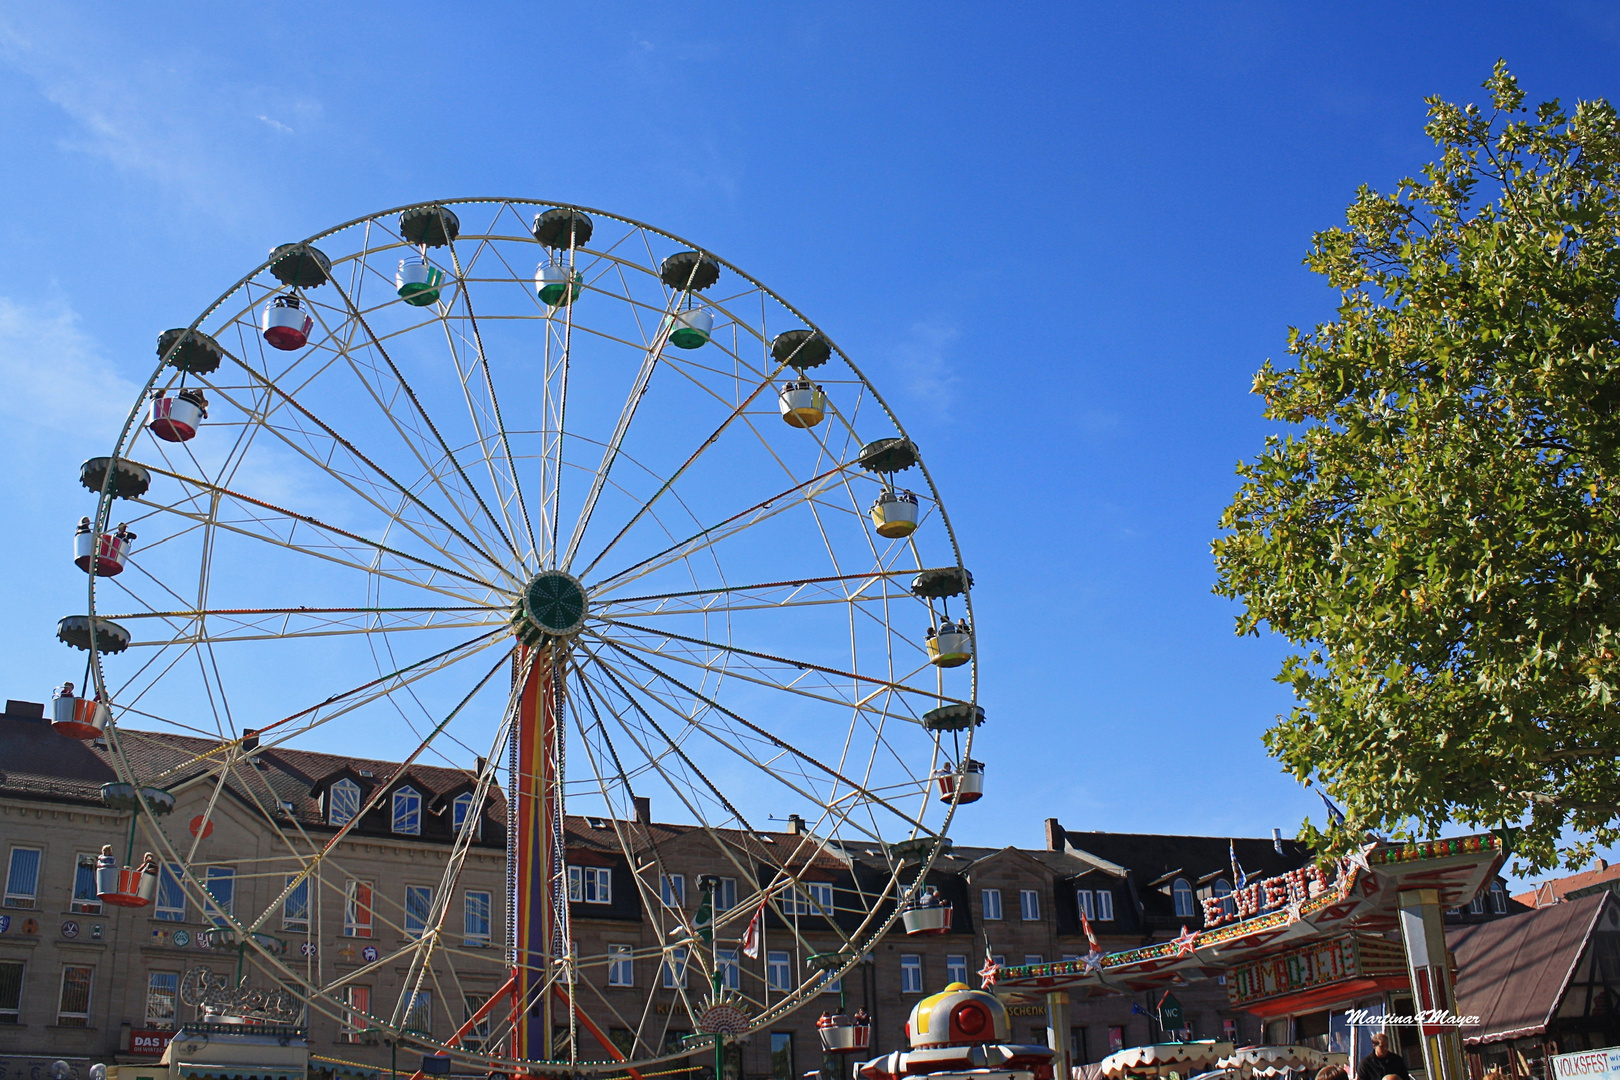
[{"x": 1383, "y": 1062}]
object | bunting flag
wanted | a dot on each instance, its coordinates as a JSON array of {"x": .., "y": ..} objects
[
  {"x": 750, "y": 938},
  {"x": 991, "y": 970}
]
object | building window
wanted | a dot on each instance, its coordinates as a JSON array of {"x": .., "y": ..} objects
[
  {"x": 782, "y": 1056},
  {"x": 357, "y": 909},
  {"x": 221, "y": 884},
  {"x": 730, "y": 969},
  {"x": 910, "y": 974},
  {"x": 419, "y": 1014},
  {"x": 778, "y": 970},
  {"x": 162, "y": 998},
  {"x": 1223, "y": 893},
  {"x": 11, "y": 973},
  {"x": 1082, "y": 897},
  {"x": 991, "y": 902},
  {"x": 675, "y": 969},
  {"x": 590, "y": 884},
  {"x": 418, "y": 906},
  {"x": 621, "y": 966},
  {"x": 342, "y": 802},
  {"x": 956, "y": 968},
  {"x": 477, "y": 1036},
  {"x": 355, "y": 1020},
  {"x": 73, "y": 1010},
  {"x": 1105, "y": 905},
  {"x": 1182, "y": 893},
  {"x": 295, "y": 908},
  {"x": 171, "y": 898},
  {"x": 672, "y": 889},
  {"x": 821, "y": 899},
  {"x": 475, "y": 918},
  {"x": 725, "y": 894},
  {"x": 1498, "y": 898},
  {"x": 1032, "y": 959},
  {"x": 830, "y": 985},
  {"x": 22, "y": 877},
  {"x": 460, "y": 811},
  {"x": 1029, "y": 905},
  {"x": 408, "y": 811},
  {"x": 85, "y": 900}
]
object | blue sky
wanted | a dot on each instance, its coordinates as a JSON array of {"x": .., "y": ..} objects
[{"x": 1061, "y": 238}]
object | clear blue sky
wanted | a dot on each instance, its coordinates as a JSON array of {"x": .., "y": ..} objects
[{"x": 1060, "y": 237}]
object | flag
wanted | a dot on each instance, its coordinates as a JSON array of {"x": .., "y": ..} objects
[
  {"x": 705, "y": 917},
  {"x": 1091, "y": 938},
  {"x": 1239, "y": 878},
  {"x": 1137, "y": 1010},
  {"x": 750, "y": 938},
  {"x": 1335, "y": 815}
]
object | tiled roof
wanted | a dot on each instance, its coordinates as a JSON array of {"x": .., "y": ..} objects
[
  {"x": 1555, "y": 890},
  {"x": 1151, "y": 856},
  {"x": 35, "y": 761}
]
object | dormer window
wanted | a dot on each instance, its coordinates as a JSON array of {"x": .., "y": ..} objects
[
  {"x": 1182, "y": 893},
  {"x": 460, "y": 810},
  {"x": 408, "y": 811},
  {"x": 342, "y": 802}
]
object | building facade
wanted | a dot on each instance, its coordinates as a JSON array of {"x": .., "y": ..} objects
[{"x": 82, "y": 982}]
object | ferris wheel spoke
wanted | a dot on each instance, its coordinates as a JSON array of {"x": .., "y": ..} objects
[
  {"x": 767, "y": 594},
  {"x": 494, "y": 406},
  {"x": 323, "y": 462},
  {"x": 766, "y": 737},
  {"x": 350, "y": 557},
  {"x": 669, "y": 483},
  {"x": 795, "y": 496},
  {"x": 420, "y": 411},
  {"x": 724, "y": 845},
  {"x": 627, "y": 414},
  {"x": 830, "y": 694}
]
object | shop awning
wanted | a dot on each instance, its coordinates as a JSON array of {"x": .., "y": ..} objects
[
  {"x": 1512, "y": 973},
  {"x": 223, "y": 1071},
  {"x": 1273, "y": 1060},
  {"x": 1184, "y": 1058}
]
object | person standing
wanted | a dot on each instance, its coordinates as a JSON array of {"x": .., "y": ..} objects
[{"x": 1382, "y": 1062}]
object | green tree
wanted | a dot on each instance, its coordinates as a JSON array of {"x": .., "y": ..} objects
[{"x": 1438, "y": 530}]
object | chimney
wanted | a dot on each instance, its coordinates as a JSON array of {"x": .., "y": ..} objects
[
  {"x": 643, "y": 810},
  {"x": 25, "y": 710},
  {"x": 1276, "y": 841},
  {"x": 795, "y": 825},
  {"x": 250, "y": 738},
  {"x": 1603, "y": 864},
  {"x": 1054, "y": 835},
  {"x": 478, "y": 770}
]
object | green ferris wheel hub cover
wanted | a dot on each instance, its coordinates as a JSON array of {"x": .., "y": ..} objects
[{"x": 553, "y": 604}]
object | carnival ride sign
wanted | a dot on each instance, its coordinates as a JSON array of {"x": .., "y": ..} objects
[
  {"x": 1269, "y": 894},
  {"x": 202, "y": 988},
  {"x": 1588, "y": 1065}
]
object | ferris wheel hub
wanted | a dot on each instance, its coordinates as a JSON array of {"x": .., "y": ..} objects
[{"x": 553, "y": 605}]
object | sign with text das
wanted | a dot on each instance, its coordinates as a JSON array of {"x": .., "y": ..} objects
[{"x": 149, "y": 1042}]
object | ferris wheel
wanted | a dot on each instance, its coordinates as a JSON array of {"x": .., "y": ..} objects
[{"x": 558, "y": 503}]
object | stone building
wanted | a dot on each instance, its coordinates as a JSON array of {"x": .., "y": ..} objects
[{"x": 82, "y": 983}]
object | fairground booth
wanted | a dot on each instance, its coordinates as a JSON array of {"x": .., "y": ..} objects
[{"x": 1325, "y": 958}]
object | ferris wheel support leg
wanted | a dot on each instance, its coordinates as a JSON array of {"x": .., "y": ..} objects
[
  {"x": 596, "y": 1033},
  {"x": 541, "y": 882}
]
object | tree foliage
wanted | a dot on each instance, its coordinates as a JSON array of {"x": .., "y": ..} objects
[{"x": 1438, "y": 530}]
